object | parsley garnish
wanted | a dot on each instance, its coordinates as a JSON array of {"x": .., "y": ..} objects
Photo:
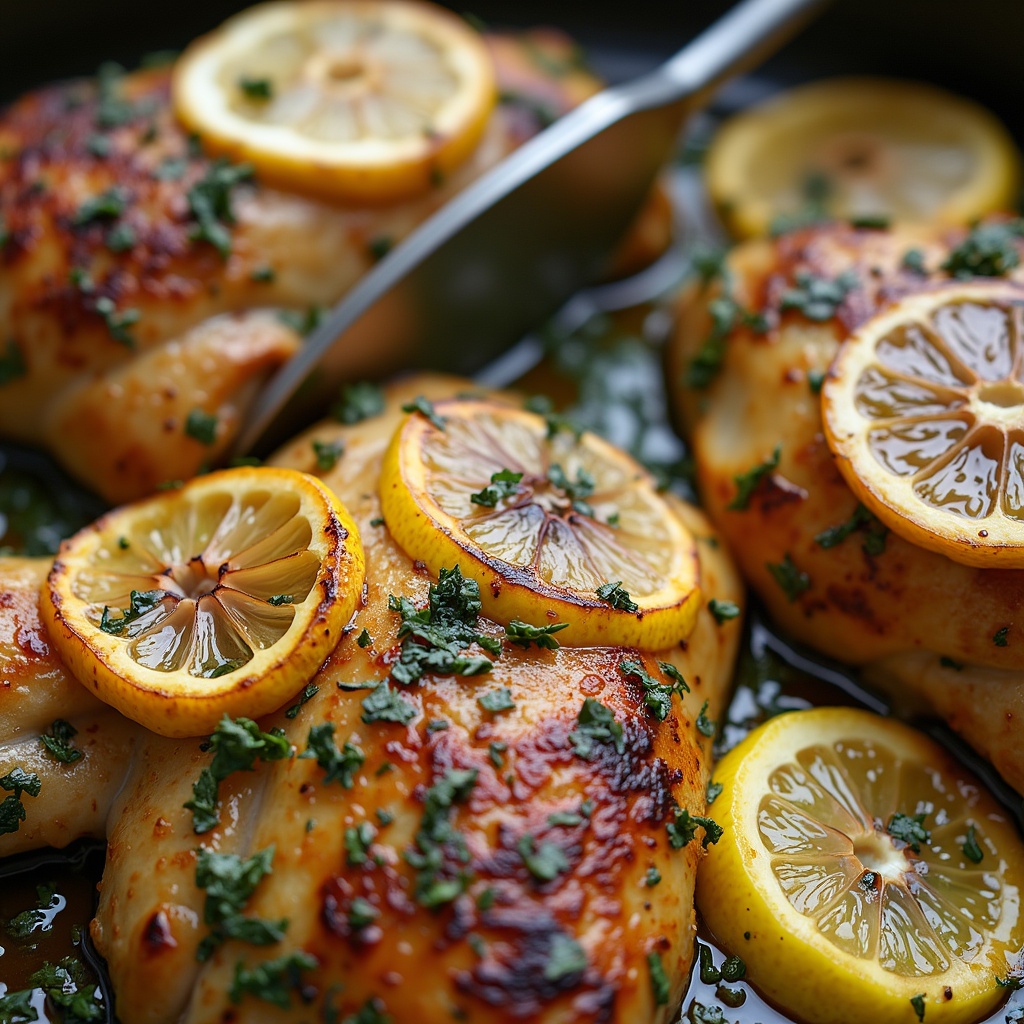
[
  {"x": 379, "y": 247},
  {"x": 386, "y": 705},
  {"x": 652, "y": 878},
  {"x": 68, "y": 990},
  {"x": 545, "y": 862},
  {"x": 747, "y": 483},
  {"x": 273, "y": 980},
  {"x": 41, "y": 916},
  {"x": 209, "y": 201},
  {"x": 871, "y": 221},
  {"x": 792, "y": 580},
  {"x": 596, "y": 725},
  {"x": 259, "y": 89},
  {"x": 105, "y": 206},
  {"x": 358, "y": 840},
  {"x": 815, "y": 379},
  {"x": 202, "y": 426},
  {"x": 172, "y": 168},
  {"x": 302, "y": 321},
  {"x": 988, "y": 250},
  {"x": 141, "y": 602},
  {"x": 12, "y": 363},
  {"x": 818, "y": 298},
  {"x": 327, "y": 454},
  {"x": 657, "y": 696},
  {"x": 425, "y": 408},
  {"x": 359, "y": 402},
  {"x": 237, "y": 744},
  {"x": 617, "y": 596},
  {"x": 308, "y": 692},
  {"x": 714, "y": 791},
  {"x": 683, "y": 829},
  {"x": 659, "y": 979},
  {"x": 733, "y": 968},
  {"x": 12, "y": 811},
  {"x": 371, "y": 1012},
  {"x": 576, "y": 491},
  {"x": 438, "y": 843},
  {"x": 263, "y": 275},
  {"x": 913, "y": 260},
  {"x": 497, "y": 700},
  {"x": 495, "y": 750},
  {"x": 555, "y": 423},
  {"x": 58, "y": 742},
  {"x": 523, "y": 634},
  {"x": 503, "y": 485},
  {"x": 972, "y": 850},
  {"x": 999, "y": 638},
  {"x": 816, "y": 189},
  {"x": 117, "y": 322},
  {"x": 726, "y": 313},
  {"x": 917, "y": 1002},
  {"x": 120, "y": 238},
  {"x": 875, "y": 533},
  {"x": 704, "y": 724},
  {"x": 279, "y": 599},
  {"x": 565, "y": 957},
  {"x": 909, "y": 829},
  {"x": 723, "y": 611},
  {"x": 709, "y": 973},
  {"x": 339, "y": 765},
  {"x": 229, "y": 881},
  {"x": 364, "y": 639}
]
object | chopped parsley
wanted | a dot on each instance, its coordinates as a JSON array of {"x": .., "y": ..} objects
[
  {"x": 818, "y": 298},
  {"x": 106, "y": 206},
  {"x": 12, "y": 811},
  {"x": 327, "y": 454},
  {"x": 617, "y": 596},
  {"x": 875, "y": 533},
  {"x": 917, "y": 1002},
  {"x": 425, "y": 408},
  {"x": 503, "y": 485},
  {"x": 815, "y": 192},
  {"x": 302, "y": 321},
  {"x": 201, "y": 426},
  {"x": 339, "y": 765},
  {"x": 258, "y": 89},
  {"x": 229, "y": 881},
  {"x": 909, "y": 828},
  {"x": 988, "y": 250},
  {"x": 237, "y": 744},
  {"x": 815, "y": 379},
  {"x": 972, "y": 849},
  {"x": 660, "y": 986},
  {"x": 913, "y": 260},
  {"x": 683, "y": 829},
  {"x": 657, "y": 696},
  {"x": 279, "y": 599},
  {"x": 999, "y": 638},
  {"x": 12, "y": 363},
  {"x": 714, "y": 791},
  {"x": 596, "y": 724},
  {"x": 117, "y": 322},
  {"x": 359, "y": 401},
  {"x": 120, "y": 238},
  {"x": 263, "y": 275},
  {"x": 379, "y": 247},
  {"x": 438, "y": 844},
  {"x": 209, "y": 202},
  {"x": 726, "y": 313},
  {"x": 723, "y": 611},
  {"x": 273, "y": 981},
  {"x": 576, "y": 491},
  {"x": 522, "y": 634},
  {"x": 358, "y": 840},
  {"x": 545, "y": 861},
  {"x": 652, "y": 878},
  {"x": 58, "y": 742},
  {"x": 709, "y": 973},
  {"x": 497, "y": 700},
  {"x": 495, "y": 752},
  {"x": 386, "y": 705},
  {"x": 704, "y": 724},
  {"x": 361, "y": 913},
  {"x": 733, "y": 968},
  {"x": 364, "y": 639},
  {"x": 71, "y": 996},
  {"x": 140, "y": 602},
  {"x": 308, "y": 692},
  {"x": 791, "y": 580},
  {"x": 747, "y": 483},
  {"x": 171, "y": 168},
  {"x": 565, "y": 957}
]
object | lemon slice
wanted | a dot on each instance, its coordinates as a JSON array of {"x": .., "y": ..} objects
[
  {"x": 553, "y": 528},
  {"x": 353, "y": 100},
  {"x": 924, "y": 407},
  {"x": 862, "y": 147},
  {"x": 863, "y": 874},
  {"x": 223, "y": 597}
]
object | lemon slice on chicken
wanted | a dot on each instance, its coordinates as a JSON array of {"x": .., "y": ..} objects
[
  {"x": 862, "y": 148},
  {"x": 863, "y": 874},
  {"x": 353, "y": 100},
  {"x": 223, "y": 597},
  {"x": 924, "y": 407},
  {"x": 554, "y": 527}
]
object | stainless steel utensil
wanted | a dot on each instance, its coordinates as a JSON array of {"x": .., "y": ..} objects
[{"x": 512, "y": 247}]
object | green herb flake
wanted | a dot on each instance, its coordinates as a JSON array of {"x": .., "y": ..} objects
[
  {"x": 683, "y": 829},
  {"x": 660, "y": 986},
  {"x": 386, "y": 705},
  {"x": 565, "y": 958},
  {"x": 947, "y": 662},
  {"x": 497, "y": 700},
  {"x": 818, "y": 298},
  {"x": 567, "y": 819},
  {"x": 172, "y": 168},
  {"x": 913, "y": 260},
  {"x": 792, "y": 581},
  {"x": 258, "y": 89},
  {"x": 917, "y": 1002},
  {"x": 576, "y": 491},
  {"x": 379, "y": 247},
  {"x": 871, "y": 221},
  {"x": 58, "y": 742},
  {"x": 272, "y": 981},
  {"x": 909, "y": 828},
  {"x": 652, "y": 878},
  {"x": 425, "y": 408},
  {"x": 733, "y": 969},
  {"x": 709, "y": 973},
  {"x": 12, "y": 363},
  {"x": 117, "y": 321},
  {"x": 701, "y": 1014},
  {"x": 495, "y": 752},
  {"x": 815, "y": 379},
  {"x": 302, "y": 321},
  {"x": 263, "y": 275},
  {"x": 201, "y": 426},
  {"x": 327, "y": 454},
  {"x": 522, "y": 634},
  {"x": 140, "y": 603},
  {"x": 504, "y": 484},
  {"x": 999, "y": 638},
  {"x": 972, "y": 849},
  {"x": 705, "y": 726},
  {"x": 545, "y": 861},
  {"x": 209, "y": 202},
  {"x": 657, "y": 696},
  {"x": 308, "y": 692},
  {"x": 747, "y": 483},
  {"x": 339, "y": 765},
  {"x": 875, "y": 533},
  {"x": 279, "y": 599},
  {"x": 723, "y": 611},
  {"x": 120, "y": 238},
  {"x": 364, "y": 639},
  {"x": 714, "y": 791},
  {"x": 596, "y": 724},
  {"x": 617, "y": 596},
  {"x": 105, "y": 206},
  {"x": 360, "y": 401},
  {"x": 988, "y": 250}
]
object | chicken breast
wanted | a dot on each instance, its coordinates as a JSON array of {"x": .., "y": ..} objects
[
  {"x": 921, "y": 626},
  {"x": 470, "y": 863},
  {"x": 141, "y": 283}
]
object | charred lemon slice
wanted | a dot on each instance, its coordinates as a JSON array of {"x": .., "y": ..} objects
[
  {"x": 553, "y": 527},
  {"x": 862, "y": 148},
  {"x": 354, "y": 100},
  {"x": 223, "y": 597},
  {"x": 924, "y": 407},
  {"x": 863, "y": 874}
]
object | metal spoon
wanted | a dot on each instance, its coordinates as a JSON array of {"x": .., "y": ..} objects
[{"x": 512, "y": 247}]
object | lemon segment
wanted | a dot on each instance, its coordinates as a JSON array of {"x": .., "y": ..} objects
[
  {"x": 352, "y": 100},
  {"x": 862, "y": 147},
  {"x": 862, "y": 869},
  {"x": 542, "y": 523},
  {"x": 924, "y": 407},
  {"x": 223, "y": 597}
]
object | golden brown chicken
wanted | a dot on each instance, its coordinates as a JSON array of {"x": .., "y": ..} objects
[
  {"x": 141, "y": 283},
  {"x": 925, "y": 628},
  {"x": 466, "y": 863}
]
